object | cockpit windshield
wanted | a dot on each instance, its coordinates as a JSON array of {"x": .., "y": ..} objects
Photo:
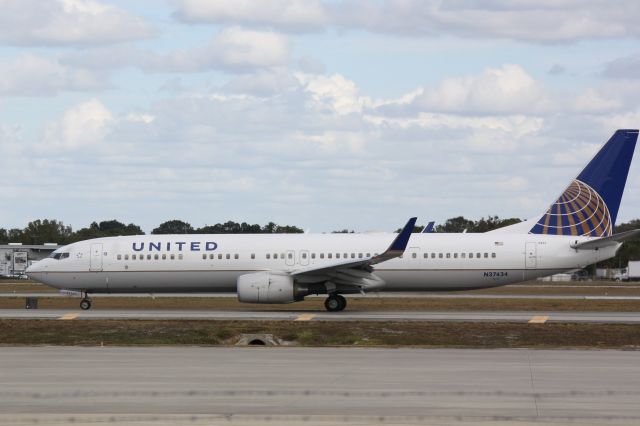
[{"x": 58, "y": 256}]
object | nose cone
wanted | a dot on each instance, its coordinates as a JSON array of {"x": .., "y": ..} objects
[{"x": 33, "y": 269}]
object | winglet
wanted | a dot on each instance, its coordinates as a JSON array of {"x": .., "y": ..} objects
[
  {"x": 429, "y": 228},
  {"x": 401, "y": 241}
]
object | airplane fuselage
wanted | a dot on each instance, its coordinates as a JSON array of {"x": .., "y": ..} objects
[{"x": 213, "y": 263}]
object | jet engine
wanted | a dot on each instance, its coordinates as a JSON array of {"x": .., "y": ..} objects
[{"x": 269, "y": 287}]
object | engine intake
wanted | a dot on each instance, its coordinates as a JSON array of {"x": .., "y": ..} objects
[{"x": 267, "y": 287}]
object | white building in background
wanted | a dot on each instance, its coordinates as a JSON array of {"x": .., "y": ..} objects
[{"x": 15, "y": 258}]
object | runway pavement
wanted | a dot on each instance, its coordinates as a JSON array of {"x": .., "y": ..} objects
[
  {"x": 459, "y": 316},
  {"x": 291, "y": 386}
]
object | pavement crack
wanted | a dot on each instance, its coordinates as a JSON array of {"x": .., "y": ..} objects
[{"x": 533, "y": 387}]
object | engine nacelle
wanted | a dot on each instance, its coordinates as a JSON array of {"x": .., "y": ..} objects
[{"x": 267, "y": 287}]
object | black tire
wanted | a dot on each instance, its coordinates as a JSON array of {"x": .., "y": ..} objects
[
  {"x": 85, "y": 304},
  {"x": 332, "y": 303},
  {"x": 343, "y": 302}
]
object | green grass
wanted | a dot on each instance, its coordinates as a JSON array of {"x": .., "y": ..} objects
[{"x": 391, "y": 334}]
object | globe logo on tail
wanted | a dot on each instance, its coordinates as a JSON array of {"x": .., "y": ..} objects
[{"x": 580, "y": 210}]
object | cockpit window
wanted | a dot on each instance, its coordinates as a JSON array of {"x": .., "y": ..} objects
[{"x": 58, "y": 256}]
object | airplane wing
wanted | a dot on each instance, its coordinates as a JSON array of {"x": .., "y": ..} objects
[
  {"x": 606, "y": 241},
  {"x": 358, "y": 273}
]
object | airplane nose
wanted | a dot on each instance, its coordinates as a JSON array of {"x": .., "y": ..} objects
[{"x": 32, "y": 269}]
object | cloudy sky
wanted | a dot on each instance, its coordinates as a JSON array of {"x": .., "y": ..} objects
[{"x": 322, "y": 114}]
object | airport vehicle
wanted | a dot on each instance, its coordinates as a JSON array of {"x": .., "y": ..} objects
[
  {"x": 630, "y": 273},
  {"x": 575, "y": 231}
]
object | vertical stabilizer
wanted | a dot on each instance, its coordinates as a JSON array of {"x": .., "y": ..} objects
[{"x": 589, "y": 206}]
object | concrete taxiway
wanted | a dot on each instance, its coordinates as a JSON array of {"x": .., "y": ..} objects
[
  {"x": 219, "y": 315},
  {"x": 192, "y": 385}
]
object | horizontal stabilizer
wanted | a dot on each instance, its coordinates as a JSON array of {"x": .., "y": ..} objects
[{"x": 607, "y": 241}]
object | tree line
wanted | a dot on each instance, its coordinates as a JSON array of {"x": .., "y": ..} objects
[
  {"x": 53, "y": 231},
  {"x": 462, "y": 224}
]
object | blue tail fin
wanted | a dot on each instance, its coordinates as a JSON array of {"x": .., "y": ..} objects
[
  {"x": 589, "y": 206},
  {"x": 429, "y": 228}
]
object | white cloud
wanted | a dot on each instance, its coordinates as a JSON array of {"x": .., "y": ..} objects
[
  {"x": 31, "y": 75},
  {"x": 538, "y": 21},
  {"x": 292, "y": 15},
  {"x": 320, "y": 140},
  {"x": 80, "y": 126},
  {"x": 232, "y": 49},
  {"x": 528, "y": 20},
  {"x": 506, "y": 90},
  {"x": 140, "y": 117},
  {"x": 334, "y": 91},
  {"x": 237, "y": 47},
  {"x": 67, "y": 22},
  {"x": 592, "y": 101}
]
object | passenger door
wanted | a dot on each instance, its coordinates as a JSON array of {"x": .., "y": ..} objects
[{"x": 96, "y": 257}]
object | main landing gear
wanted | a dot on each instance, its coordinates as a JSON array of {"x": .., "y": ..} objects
[
  {"x": 85, "y": 303},
  {"x": 335, "y": 303}
]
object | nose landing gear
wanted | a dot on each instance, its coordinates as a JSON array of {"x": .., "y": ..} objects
[{"x": 335, "y": 303}]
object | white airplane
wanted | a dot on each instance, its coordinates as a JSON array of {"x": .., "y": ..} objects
[{"x": 575, "y": 231}]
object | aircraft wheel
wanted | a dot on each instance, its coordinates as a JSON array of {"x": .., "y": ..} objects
[
  {"x": 343, "y": 302},
  {"x": 85, "y": 304},
  {"x": 335, "y": 303}
]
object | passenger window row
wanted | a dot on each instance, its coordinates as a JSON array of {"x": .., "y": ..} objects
[
  {"x": 306, "y": 255},
  {"x": 163, "y": 256},
  {"x": 221, "y": 256},
  {"x": 289, "y": 255},
  {"x": 456, "y": 255}
]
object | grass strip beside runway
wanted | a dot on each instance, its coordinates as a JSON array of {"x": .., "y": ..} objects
[{"x": 365, "y": 334}]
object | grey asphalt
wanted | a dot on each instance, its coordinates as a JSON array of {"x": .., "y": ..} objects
[
  {"x": 198, "y": 385},
  {"x": 460, "y": 316}
]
